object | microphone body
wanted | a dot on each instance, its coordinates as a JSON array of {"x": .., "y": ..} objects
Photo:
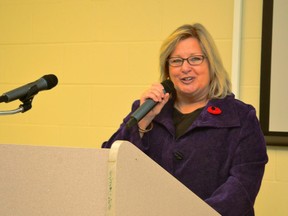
[
  {"x": 44, "y": 83},
  {"x": 148, "y": 105}
]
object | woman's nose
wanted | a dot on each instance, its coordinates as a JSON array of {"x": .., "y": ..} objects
[{"x": 186, "y": 67}]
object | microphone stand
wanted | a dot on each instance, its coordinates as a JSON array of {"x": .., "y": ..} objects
[{"x": 26, "y": 100}]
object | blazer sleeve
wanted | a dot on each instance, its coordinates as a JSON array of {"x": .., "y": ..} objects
[{"x": 123, "y": 133}]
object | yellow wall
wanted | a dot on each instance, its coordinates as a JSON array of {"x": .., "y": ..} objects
[{"x": 105, "y": 53}]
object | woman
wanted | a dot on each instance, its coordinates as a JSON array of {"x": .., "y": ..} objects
[{"x": 201, "y": 134}]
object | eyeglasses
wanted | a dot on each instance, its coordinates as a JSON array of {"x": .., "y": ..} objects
[{"x": 192, "y": 60}]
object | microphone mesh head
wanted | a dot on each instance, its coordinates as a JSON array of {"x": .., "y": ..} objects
[
  {"x": 51, "y": 80},
  {"x": 168, "y": 86}
]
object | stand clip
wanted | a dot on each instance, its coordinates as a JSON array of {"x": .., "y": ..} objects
[{"x": 27, "y": 102}]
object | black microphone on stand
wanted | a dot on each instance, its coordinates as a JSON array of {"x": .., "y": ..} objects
[
  {"x": 148, "y": 105},
  {"x": 44, "y": 83}
]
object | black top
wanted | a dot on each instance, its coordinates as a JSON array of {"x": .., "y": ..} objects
[{"x": 183, "y": 121}]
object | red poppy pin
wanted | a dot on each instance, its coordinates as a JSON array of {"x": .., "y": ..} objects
[{"x": 214, "y": 110}]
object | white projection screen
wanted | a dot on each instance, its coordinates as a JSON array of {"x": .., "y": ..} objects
[{"x": 274, "y": 72}]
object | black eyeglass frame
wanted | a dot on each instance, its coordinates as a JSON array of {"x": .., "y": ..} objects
[{"x": 186, "y": 59}]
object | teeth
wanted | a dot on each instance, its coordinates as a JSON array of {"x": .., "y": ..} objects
[{"x": 187, "y": 78}]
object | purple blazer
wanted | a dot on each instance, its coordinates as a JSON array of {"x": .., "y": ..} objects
[{"x": 221, "y": 157}]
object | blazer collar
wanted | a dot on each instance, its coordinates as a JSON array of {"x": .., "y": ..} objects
[{"x": 209, "y": 117}]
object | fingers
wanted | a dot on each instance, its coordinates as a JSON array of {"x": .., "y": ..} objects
[{"x": 156, "y": 93}]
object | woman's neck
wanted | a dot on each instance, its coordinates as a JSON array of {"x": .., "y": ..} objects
[{"x": 189, "y": 105}]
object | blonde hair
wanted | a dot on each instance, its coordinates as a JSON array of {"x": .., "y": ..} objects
[{"x": 220, "y": 85}]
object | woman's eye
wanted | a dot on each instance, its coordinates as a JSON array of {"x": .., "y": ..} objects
[
  {"x": 176, "y": 60},
  {"x": 195, "y": 59}
]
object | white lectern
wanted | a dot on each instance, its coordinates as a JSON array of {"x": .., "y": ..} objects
[{"x": 121, "y": 181}]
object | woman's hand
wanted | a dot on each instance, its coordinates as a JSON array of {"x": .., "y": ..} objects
[{"x": 156, "y": 93}]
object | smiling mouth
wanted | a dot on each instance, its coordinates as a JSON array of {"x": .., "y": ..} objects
[{"x": 187, "y": 79}]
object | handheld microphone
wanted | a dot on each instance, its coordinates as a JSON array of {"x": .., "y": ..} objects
[
  {"x": 44, "y": 83},
  {"x": 148, "y": 105}
]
